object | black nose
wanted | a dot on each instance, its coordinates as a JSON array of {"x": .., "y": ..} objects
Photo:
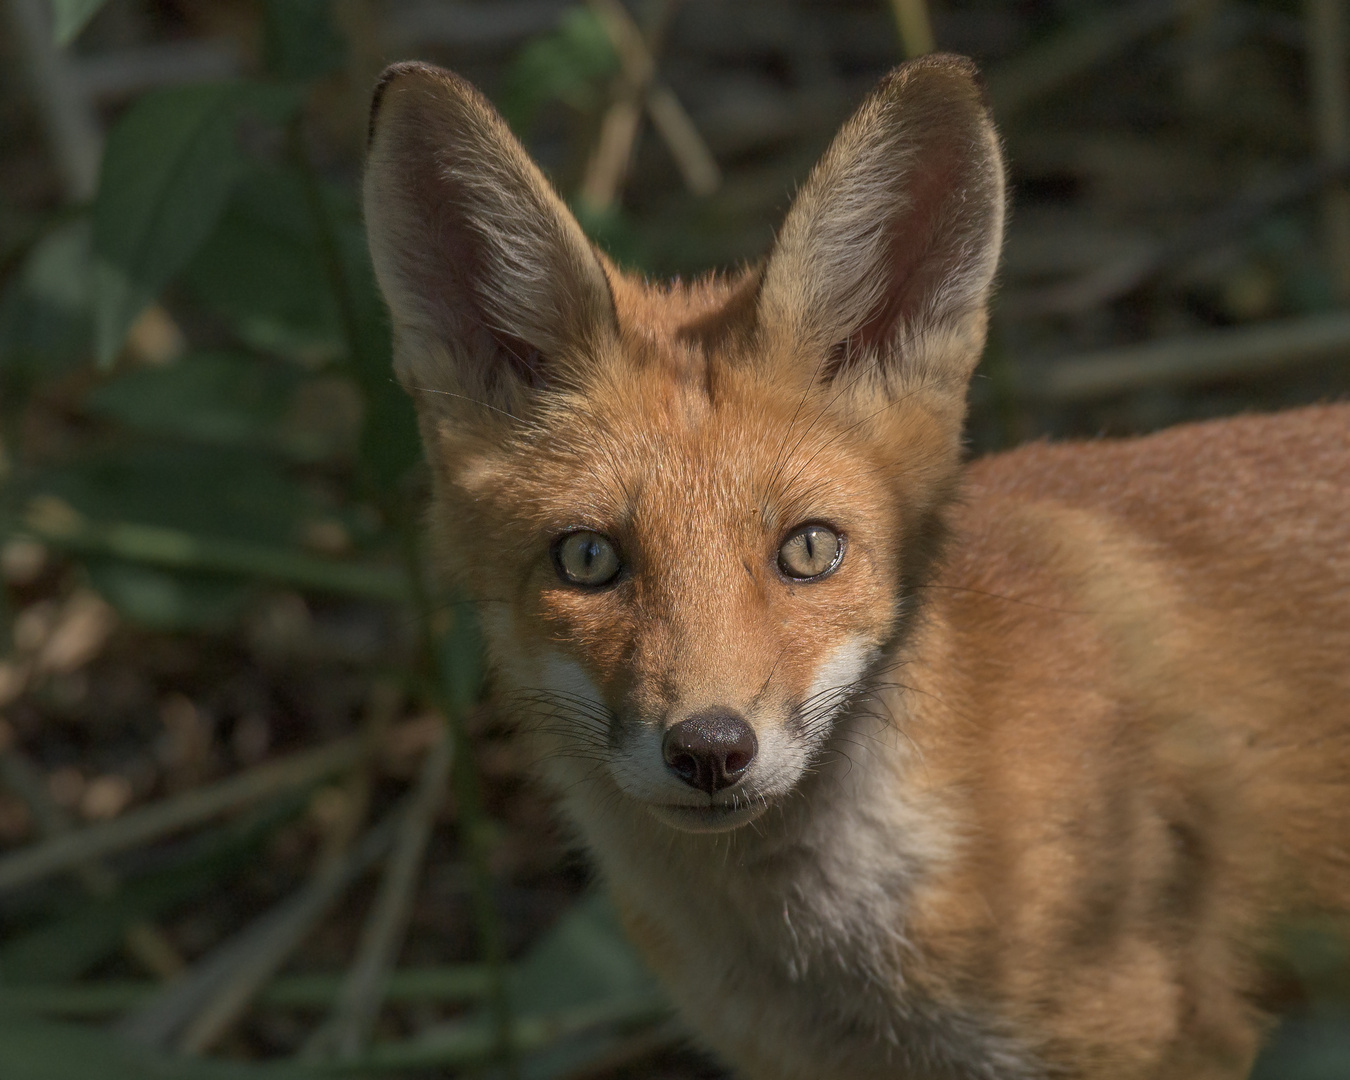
[{"x": 711, "y": 750}]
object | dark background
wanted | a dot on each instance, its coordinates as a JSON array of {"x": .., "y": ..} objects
[{"x": 249, "y": 793}]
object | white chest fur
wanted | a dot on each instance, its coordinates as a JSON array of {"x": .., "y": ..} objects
[{"x": 784, "y": 943}]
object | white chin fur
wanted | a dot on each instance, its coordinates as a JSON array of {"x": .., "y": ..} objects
[{"x": 706, "y": 819}]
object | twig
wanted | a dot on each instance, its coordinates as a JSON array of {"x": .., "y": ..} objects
[
  {"x": 916, "y": 28},
  {"x": 1331, "y": 116},
  {"x": 635, "y": 89},
  {"x": 469, "y": 1041},
  {"x": 184, "y": 811},
  {"x": 1119, "y": 278},
  {"x": 195, "y": 1010},
  {"x": 144, "y": 941},
  {"x": 72, "y": 125},
  {"x": 692, "y": 157},
  {"x": 1219, "y": 354},
  {"x": 608, "y": 163},
  {"x": 384, "y": 698},
  {"x": 454, "y": 659},
  {"x": 58, "y": 524},
  {"x": 348, "y": 1029}
]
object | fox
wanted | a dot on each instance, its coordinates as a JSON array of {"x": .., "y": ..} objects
[{"x": 895, "y": 765}]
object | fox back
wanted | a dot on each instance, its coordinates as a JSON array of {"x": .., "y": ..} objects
[{"x": 894, "y": 768}]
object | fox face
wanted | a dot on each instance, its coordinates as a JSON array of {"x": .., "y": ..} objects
[
  {"x": 694, "y": 516},
  {"x": 684, "y": 584}
]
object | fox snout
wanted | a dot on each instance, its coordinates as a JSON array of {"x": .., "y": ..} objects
[{"x": 710, "y": 751}]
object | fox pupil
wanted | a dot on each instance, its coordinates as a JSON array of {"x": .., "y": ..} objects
[
  {"x": 585, "y": 558},
  {"x": 811, "y": 552}
]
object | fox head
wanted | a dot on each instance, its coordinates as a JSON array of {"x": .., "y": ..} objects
[{"x": 693, "y": 516}]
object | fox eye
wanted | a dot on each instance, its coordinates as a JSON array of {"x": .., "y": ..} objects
[
  {"x": 810, "y": 552},
  {"x": 585, "y": 558}
]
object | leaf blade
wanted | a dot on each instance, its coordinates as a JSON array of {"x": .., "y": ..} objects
[
  {"x": 71, "y": 17},
  {"x": 170, "y": 166}
]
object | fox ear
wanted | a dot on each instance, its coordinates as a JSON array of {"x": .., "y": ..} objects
[
  {"x": 490, "y": 282},
  {"x": 888, "y": 254}
]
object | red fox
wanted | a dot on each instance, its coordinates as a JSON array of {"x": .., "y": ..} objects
[{"x": 894, "y": 767}]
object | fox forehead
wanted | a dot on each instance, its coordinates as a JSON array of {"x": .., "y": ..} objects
[{"x": 642, "y": 450}]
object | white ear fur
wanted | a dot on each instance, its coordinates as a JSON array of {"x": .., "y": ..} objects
[
  {"x": 490, "y": 281},
  {"x": 888, "y": 254}
]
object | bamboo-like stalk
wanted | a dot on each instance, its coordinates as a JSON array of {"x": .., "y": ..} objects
[
  {"x": 59, "y": 525},
  {"x": 72, "y": 123},
  {"x": 637, "y": 89},
  {"x": 470, "y": 1041},
  {"x": 1218, "y": 354},
  {"x": 1331, "y": 120},
  {"x": 451, "y": 691},
  {"x": 192, "y": 808},
  {"x": 1120, "y": 277},
  {"x": 144, "y": 941},
  {"x": 916, "y": 28},
  {"x": 106, "y": 997},
  {"x": 265, "y": 953},
  {"x": 348, "y": 1029},
  {"x": 454, "y": 691},
  {"x": 697, "y": 167},
  {"x": 196, "y": 1009}
]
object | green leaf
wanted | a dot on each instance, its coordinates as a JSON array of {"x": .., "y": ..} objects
[
  {"x": 44, "y": 313},
  {"x": 571, "y": 65},
  {"x": 222, "y": 399},
  {"x": 460, "y": 658},
  {"x": 33, "y": 1049},
  {"x": 54, "y": 523},
  {"x": 72, "y": 16},
  {"x": 57, "y": 269},
  {"x": 578, "y": 988},
  {"x": 1307, "y": 1047},
  {"x": 170, "y": 165},
  {"x": 389, "y": 441},
  {"x": 200, "y": 490},
  {"x": 261, "y": 269},
  {"x": 67, "y": 945},
  {"x": 583, "y": 958},
  {"x": 168, "y": 600},
  {"x": 234, "y": 400}
]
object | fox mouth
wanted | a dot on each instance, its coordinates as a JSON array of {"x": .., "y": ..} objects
[{"x": 706, "y": 819}]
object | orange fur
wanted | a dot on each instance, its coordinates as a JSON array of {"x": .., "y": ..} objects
[{"x": 1042, "y": 766}]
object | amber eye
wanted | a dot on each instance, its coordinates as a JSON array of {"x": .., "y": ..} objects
[
  {"x": 810, "y": 551},
  {"x": 585, "y": 558}
]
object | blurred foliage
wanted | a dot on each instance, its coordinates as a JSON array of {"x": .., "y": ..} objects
[
  {"x": 212, "y": 356},
  {"x": 72, "y": 17},
  {"x": 573, "y": 65},
  {"x": 273, "y": 437}
]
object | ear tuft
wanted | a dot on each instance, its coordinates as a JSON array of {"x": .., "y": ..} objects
[
  {"x": 888, "y": 254},
  {"x": 491, "y": 283}
]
